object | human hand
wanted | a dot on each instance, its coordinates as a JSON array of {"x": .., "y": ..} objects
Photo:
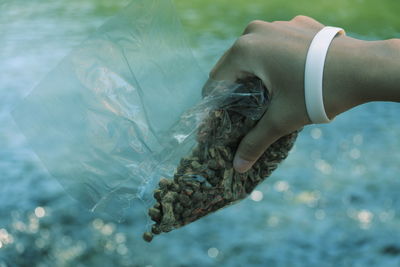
[{"x": 276, "y": 53}]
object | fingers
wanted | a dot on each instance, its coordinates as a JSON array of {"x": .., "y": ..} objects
[
  {"x": 300, "y": 23},
  {"x": 270, "y": 128},
  {"x": 274, "y": 52},
  {"x": 225, "y": 69},
  {"x": 236, "y": 62},
  {"x": 242, "y": 59},
  {"x": 305, "y": 20},
  {"x": 254, "y": 26}
]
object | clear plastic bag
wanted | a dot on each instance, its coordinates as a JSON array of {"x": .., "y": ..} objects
[
  {"x": 123, "y": 108},
  {"x": 205, "y": 181},
  {"x": 99, "y": 121}
]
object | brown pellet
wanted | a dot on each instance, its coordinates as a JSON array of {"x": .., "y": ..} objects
[{"x": 205, "y": 180}]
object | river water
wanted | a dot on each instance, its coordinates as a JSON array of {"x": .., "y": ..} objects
[{"x": 333, "y": 202}]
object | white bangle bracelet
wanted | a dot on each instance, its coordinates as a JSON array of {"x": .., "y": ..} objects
[{"x": 313, "y": 74}]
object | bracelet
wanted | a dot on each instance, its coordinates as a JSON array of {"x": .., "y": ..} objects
[{"x": 313, "y": 74}]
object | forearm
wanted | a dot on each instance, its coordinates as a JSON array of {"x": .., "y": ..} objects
[
  {"x": 358, "y": 72},
  {"x": 384, "y": 72},
  {"x": 355, "y": 72}
]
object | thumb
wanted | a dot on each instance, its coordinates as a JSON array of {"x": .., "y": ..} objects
[{"x": 269, "y": 129}]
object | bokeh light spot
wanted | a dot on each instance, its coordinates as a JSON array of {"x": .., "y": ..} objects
[
  {"x": 306, "y": 197},
  {"x": 213, "y": 252},
  {"x": 316, "y": 133},
  {"x": 120, "y": 238},
  {"x": 97, "y": 223},
  {"x": 5, "y": 237},
  {"x": 256, "y": 195},
  {"x": 323, "y": 166},
  {"x": 107, "y": 229},
  {"x": 281, "y": 186},
  {"x": 365, "y": 216},
  {"x": 40, "y": 212}
]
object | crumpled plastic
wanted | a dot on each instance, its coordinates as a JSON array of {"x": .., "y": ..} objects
[{"x": 120, "y": 110}]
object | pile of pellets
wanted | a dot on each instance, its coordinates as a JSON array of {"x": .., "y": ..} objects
[{"x": 205, "y": 181}]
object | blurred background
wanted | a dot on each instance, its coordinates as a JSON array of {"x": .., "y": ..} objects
[{"x": 334, "y": 202}]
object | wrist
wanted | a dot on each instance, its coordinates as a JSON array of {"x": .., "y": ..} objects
[
  {"x": 382, "y": 77},
  {"x": 343, "y": 75},
  {"x": 357, "y": 72}
]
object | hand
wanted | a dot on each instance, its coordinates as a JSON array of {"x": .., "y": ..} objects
[{"x": 276, "y": 52}]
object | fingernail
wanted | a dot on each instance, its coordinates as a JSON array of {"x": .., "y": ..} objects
[{"x": 241, "y": 165}]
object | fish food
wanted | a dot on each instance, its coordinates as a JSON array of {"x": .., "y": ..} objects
[{"x": 205, "y": 181}]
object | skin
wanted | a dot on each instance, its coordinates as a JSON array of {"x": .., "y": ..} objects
[{"x": 355, "y": 72}]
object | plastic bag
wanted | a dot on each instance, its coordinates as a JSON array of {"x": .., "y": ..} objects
[
  {"x": 99, "y": 121},
  {"x": 123, "y": 108},
  {"x": 205, "y": 180}
]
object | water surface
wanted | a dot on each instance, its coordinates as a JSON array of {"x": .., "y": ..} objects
[{"x": 334, "y": 202}]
